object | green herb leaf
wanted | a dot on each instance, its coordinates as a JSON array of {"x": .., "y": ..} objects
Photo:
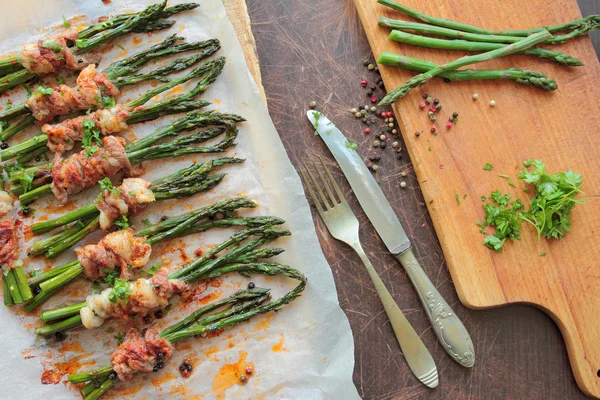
[
  {"x": 108, "y": 102},
  {"x": 106, "y": 184},
  {"x": 119, "y": 336},
  {"x": 66, "y": 23},
  {"x": 53, "y": 45},
  {"x": 120, "y": 291},
  {"x": 494, "y": 243},
  {"x": 152, "y": 270},
  {"x": 91, "y": 140},
  {"x": 44, "y": 91},
  {"x": 457, "y": 198},
  {"x": 60, "y": 81},
  {"x": 503, "y": 214},
  {"x": 543, "y": 254},
  {"x": 122, "y": 222},
  {"x": 351, "y": 145},
  {"x": 488, "y": 167}
]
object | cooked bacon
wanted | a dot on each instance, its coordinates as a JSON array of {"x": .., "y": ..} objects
[
  {"x": 120, "y": 249},
  {"x": 73, "y": 175},
  {"x": 62, "y": 136},
  {"x": 56, "y": 55},
  {"x": 147, "y": 295},
  {"x": 130, "y": 198},
  {"x": 8, "y": 244},
  {"x": 5, "y": 203},
  {"x": 140, "y": 354},
  {"x": 64, "y": 99}
]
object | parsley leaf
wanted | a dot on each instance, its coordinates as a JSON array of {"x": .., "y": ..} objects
[
  {"x": 106, "y": 184},
  {"x": 110, "y": 276},
  {"x": 488, "y": 167},
  {"x": 351, "y": 145},
  {"x": 91, "y": 138},
  {"x": 120, "y": 291},
  {"x": 60, "y": 81},
  {"x": 503, "y": 214},
  {"x": 554, "y": 198},
  {"x": 44, "y": 91},
  {"x": 53, "y": 45},
  {"x": 66, "y": 23},
  {"x": 152, "y": 270},
  {"x": 119, "y": 336},
  {"x": 122, "y": 222},
  {"x": 108, "y": 102}
]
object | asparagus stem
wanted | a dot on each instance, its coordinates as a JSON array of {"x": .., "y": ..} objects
[
  {"x": 10, "y": 64},
  {"x": 590, "y": 22},
  {"x": 8, "y": 300},
  {"x": 60, "y": 326},
  {"x": 13, "y": 129},
  {"x": 22, "y": 283},
  {"x": 35, "y": 194},
  {"x": 421, "y": 79},
  {"x": 32, "y": 155},
  {"x": 41, "y": 246},
  {"x": 13, "y": 111},
  {"x": 97, "y": 374},
  {"x": 52, "y": 286},
  {"x": 456, "y": 34},
  {"x": 13, "y": 287},
  {"x": 141, "y": 18},
  {"x": 525, "y": 77},
  {"x": 80, "y": 213},
  {"x": 69, "y": 242},
  {"x": 422, "y": 41},
  {"x": 51, "y": 273},
  {"x": 61, "y": 313},
  {"x": 14, "y": 79},
  {"x": 24, "y": 147}
]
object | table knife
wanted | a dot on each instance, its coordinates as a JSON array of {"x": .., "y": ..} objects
[{"x": 449, "y": 329}]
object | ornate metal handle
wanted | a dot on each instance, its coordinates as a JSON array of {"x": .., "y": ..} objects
[{"x": 450, "y": 331}]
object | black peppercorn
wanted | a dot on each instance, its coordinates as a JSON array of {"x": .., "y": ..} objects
[
  {"x": 436, "y": 101},
  {"x": 417, "y": 134},
  {"x": 59, "y": 336},
  {"x": 3, "y": 146},
  {"x": 251, "y": 285},
  {"x": 158, "y": 314},
  {"x": 425, "y": 95},
  {"x": 375, "y": 159},
  {"x": 155, "y": 368},
  {"x": 455, "y": 114}
]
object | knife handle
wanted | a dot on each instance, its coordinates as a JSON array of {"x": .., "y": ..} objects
[
  {"x": 416, "y": 354},
  {"x": 450, "y": 331}
]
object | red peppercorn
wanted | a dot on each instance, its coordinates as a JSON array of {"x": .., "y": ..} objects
[
  {"x": 448, "y": 125},
  {"x": 367, "y": 130},
  {"x": 248, "y": 370},
  {"x": 363, "y": 83},
  {"x": 390, "y": 114},
  {"x": 433, "y": 129},
  {"x": 422, "y": 106},
  {"x": 373, "y": 99},
  {"x": 432, "y": 109}
]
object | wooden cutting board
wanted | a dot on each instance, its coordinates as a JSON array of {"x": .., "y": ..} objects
[{"x": 562, "y": 128}]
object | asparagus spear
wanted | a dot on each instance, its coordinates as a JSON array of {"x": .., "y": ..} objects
[
  {"x": 525, "y": 77},
  {"x": 209, "y": 72},
  {"x": 421, "y": 79},
  {"x": 241, "y": 307},
  {"x": 581, "y": 26},
  {"x": 423, "y": 41}
]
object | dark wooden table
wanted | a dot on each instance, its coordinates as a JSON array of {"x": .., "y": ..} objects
[{"x": 313, "y": 50}]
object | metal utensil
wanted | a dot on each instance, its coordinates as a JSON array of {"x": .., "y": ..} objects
[
  {"x": 343, "y": 225},
  {"x": 450, "y": 331}
]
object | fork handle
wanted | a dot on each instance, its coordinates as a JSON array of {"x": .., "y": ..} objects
[
  {"x": 451, "y": 332},
  {"x": 416, "y": 354}
]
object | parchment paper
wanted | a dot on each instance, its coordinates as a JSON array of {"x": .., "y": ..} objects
[{"x": 304, "y": 351}]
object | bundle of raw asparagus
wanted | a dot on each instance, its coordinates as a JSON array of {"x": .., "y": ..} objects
[{"x": 489, "y": 43}]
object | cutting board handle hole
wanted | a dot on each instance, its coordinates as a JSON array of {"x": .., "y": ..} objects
[{"x": 598, "y": 373}]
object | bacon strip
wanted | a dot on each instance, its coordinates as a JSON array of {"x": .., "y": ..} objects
[
  {"x": 43, "y": 58},
  {"x": 129, "y": 198},
  {"x": 62, "y": 136},
  {"x": 120, "y": 249},
  {"x": 91, "y": 86},
  {"x": 140, "y": 354},
  {"x": 8, "y": 244},
  {"x": 73, "y": 175}
]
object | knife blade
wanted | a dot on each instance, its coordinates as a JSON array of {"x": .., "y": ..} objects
[
  {"x": 369, "y": 194},
  {"x": 449, "y": 329}
]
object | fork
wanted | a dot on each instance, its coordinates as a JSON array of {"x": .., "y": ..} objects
[{"x": 343, "y": 225}]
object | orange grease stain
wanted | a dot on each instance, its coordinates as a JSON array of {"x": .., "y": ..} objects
[
  {"x": 137, "y": 40},
  {"x": 263, "y": 324},
  {"x": 211, "y": 353},
  {"x": 217, "y": 101},
  {"x": 60, "y": 209},
  {"x": 230, "y": 375},
  {"x": 157, "y": 382},
  {"x": 279, "y": 346},
  {"x": 175, "y": 90},
  {"x": 180, "y": 389},
  {"x": 54, "y": 372}
]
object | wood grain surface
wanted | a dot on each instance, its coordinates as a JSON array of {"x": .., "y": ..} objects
[{"x": 313, "y": 51}]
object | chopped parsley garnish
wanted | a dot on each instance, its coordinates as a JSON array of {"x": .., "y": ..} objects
[
  {"x": 106, "y": 184},
  {"x": 44, "y": 91},
  {"x": 91, "y": 138},
  {"x": 110, "y": 276},
  {"x": 317, "y": 115},
  {"x": 60, "y": 81},
  {"x": 21, "y": 174},
  {"x": 122, "y": 222},
  {"x": 119, "y": 336},
  {"x": 120, "y": 291},
  {"x": 504, "y": 215},
  {"x": 66, "y": 23},
  {"x": 81, "y": 43},
  {"x": 457, "y": 198},
  {"x": 488, "y": 167},
  {"x": 543, "y": 254},
  {"x": 54, "y": 46},
  {"x": 108, "y": 102},
  {"x": 554, "y": 199},
  {"x": 152, "y": 270},
  {"x": 351, "y": 145}
]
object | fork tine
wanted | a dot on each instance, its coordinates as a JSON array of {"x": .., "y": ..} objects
[
  {"x": 312, "y": 193},
  {"x": 322, "y": 197},
  {"x": 333, "y": 183},
  {"x": 325, "y": 184}
]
